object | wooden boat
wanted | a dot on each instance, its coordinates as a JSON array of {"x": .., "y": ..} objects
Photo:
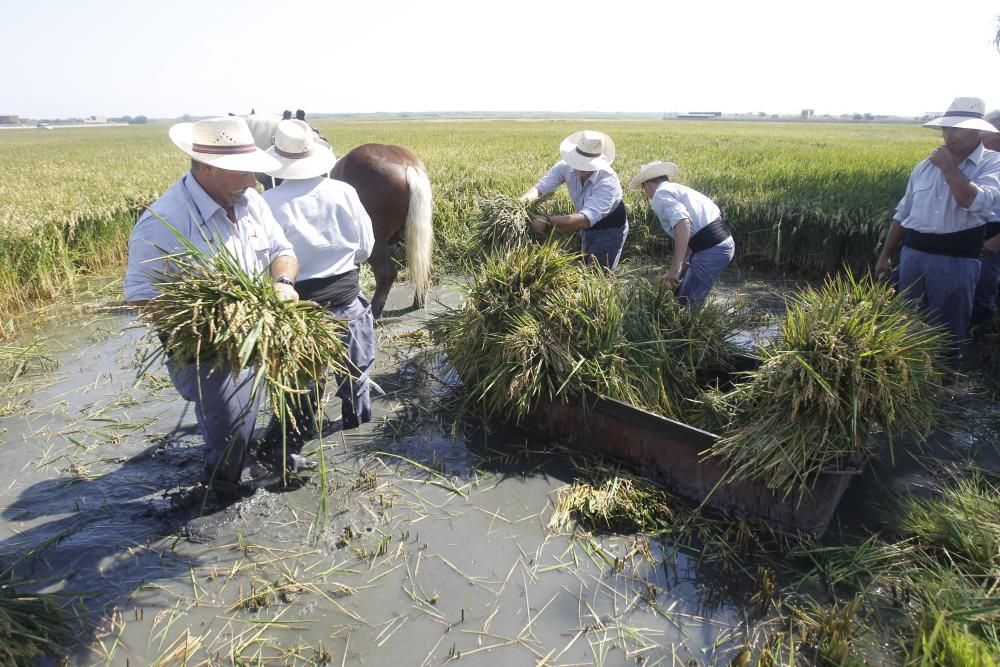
[{"x": 669, "y": 452}]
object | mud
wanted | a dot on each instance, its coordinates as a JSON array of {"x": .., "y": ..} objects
[{"x": 416, "y": 544}]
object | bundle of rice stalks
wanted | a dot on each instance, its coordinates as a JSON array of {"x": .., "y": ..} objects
[
  {"x": 504, "y": 224},
  {"x": 30, "y": 626},
  {"x": 537, "y": 324},
  {"x": 212, "y": 312},
  {"x": 851, "y": 359},
  {"x": 619, "y": 504},
  {"x": 677, "y": 351}
]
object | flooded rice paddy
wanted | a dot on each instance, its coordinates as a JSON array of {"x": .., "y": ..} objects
[{"x": 435, "y": 546}]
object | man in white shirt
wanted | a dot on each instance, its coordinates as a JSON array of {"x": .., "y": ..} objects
[
  {"x": 694, "y": 222},
  {"x": 941, "y": 220},
  {"x": 332, "y": 235},
  {"x": 984, "y": 303},
  {"x": 596, "y": 193},
  {"x": 212, "y": 206}
]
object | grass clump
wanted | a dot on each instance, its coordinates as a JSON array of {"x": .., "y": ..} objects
[
  {"x": 851, "y": 359},
  {"x": 212, "y": 312},
  {"x": 31, "y": 625},
  {"x": 618, "y": 503}
]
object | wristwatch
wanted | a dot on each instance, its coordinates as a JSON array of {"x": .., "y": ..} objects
[
  {"x": 284, "y": 280},
  {"x": 548, "y": 221}
]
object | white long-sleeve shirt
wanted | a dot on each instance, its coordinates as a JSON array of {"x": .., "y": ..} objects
[
  {"x": 673, "y": 202},
  {"x": 595, "y": 198},
  {"x": 326, "y": 224}
]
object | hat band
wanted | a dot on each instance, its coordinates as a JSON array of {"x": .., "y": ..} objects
[
  {"x": 293, "y": 156},
  {"x": 964, "y": 114},
  {"x": 586, "y": 154},
  {"x": 223, "y": 150}
]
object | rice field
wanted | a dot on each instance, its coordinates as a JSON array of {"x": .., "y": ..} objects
[{"x": 801, "y": 197}]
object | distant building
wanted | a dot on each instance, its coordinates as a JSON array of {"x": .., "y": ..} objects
[
  {"x": 808, "y": 113},
  {"x": 95, "y": 120},
  {"x": 700, "y": 115},
  {"x": 10, "y": 120}
]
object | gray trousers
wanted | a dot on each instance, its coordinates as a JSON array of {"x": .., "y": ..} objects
[
  {"x": 354, "y": 387},
  {"x": 984, "y": 301},
  {"x": 226, "y": 414},
  {"x": 703, "y": 270},
  {"x": 943, "y": 286},
  {"x": 604, "y": 246}
]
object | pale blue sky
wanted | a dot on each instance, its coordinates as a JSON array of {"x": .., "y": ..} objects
[{"x": 163, "y": 59}]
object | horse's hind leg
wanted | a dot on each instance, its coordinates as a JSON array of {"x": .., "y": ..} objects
[{"x": 385, "y": 275}]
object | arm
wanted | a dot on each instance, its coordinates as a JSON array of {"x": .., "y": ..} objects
[
  {"x": 531, "y": 194},
  {"x": 567, "y": 223},
  {"x": 892, "y": 243},
  {"x": 682, "y": 233}
]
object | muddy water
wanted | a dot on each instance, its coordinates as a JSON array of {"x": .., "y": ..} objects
[{"x": 417, "y": 549}]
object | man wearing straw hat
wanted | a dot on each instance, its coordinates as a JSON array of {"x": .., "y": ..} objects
[
  {"x": 694, "y": 222},
  {"x": 332, "y": 235},
  {"x": 213, "y": 206},
  {"x": 596, "y": 193},
  {"x": 984, "y": 302},
  {"x": 941, "y": 220}
]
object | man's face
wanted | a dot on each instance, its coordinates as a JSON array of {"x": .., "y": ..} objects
[
  {"x": 991, "y": 140},
  {"x": 224, "y": 186},
  {"x": 960, "y": 141}
]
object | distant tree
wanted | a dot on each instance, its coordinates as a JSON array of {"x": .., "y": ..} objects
[{"x": 138, "y": 120}]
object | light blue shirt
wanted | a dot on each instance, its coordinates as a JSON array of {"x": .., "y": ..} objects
[
  {"x": 928, "y": 205},
  {"x": 595, "y": 198},
  {"x": 325, "y": 222},
  {"x": 255, "y": 239},
  {"x": 673, "y": 202}
]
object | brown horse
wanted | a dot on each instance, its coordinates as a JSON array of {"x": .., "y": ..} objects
[{"x": 393, "y": 187}]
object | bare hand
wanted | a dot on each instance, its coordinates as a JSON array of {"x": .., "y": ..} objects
[
  {"x": 537, "y": 223},
  {"x": 672, "y": 277},
  {"x": 286, "y": 292},
  {"x": 883, "y": 267},
  {"x": 943, "y": 159},
  {"x": 992, "y": 247}
]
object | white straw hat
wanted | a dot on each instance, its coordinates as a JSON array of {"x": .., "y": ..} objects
[
  {"x": 965, "y": 113},
  {"x": 588, "y": 150},
  {"x": 653, "y": 170},
  {"x": 225, "y": 143},
  {"x": 297, "y": 152}
]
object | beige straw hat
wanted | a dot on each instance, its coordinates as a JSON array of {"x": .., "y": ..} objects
[
  {"x": 297, "y": 152},
  {"x": 965, "y": 113},
  {"x": 225, "y": 143},
  {"x": 588, "y": 150},
  {"x": 652, "y": 170}
]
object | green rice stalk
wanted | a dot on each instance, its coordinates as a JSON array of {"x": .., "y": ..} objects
[
  {"x": 31, "y": 626},
  {"x": 503, "y": 224}
]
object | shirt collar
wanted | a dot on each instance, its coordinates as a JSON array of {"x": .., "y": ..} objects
[
  {"x": 207, "y": 207},
  {"x": 976, "y": 155}
]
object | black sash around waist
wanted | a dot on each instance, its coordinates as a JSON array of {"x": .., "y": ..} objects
[
  {"x": 992, "y": 229},
  {"x": 614, "y": 219},
  {"x": 710, "y": 235},
  {"x": 332, "y": 291},
  {"x": 966, "y": 243}
]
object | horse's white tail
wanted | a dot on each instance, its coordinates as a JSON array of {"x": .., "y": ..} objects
[{"x": 419, "y": 233}]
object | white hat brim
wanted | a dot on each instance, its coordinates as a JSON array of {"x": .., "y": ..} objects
[
  {"x": 258, "y": 161},
  {"x": 319, "y": 163},
  {"x": 567, "y": 149},
  {"x": 962, "y": 122},
  {"x": 653, "y": 170}
]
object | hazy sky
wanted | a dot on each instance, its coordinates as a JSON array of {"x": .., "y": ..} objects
[{"x": 164, "y": 59}]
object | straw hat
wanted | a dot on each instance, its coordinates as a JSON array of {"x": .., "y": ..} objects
[
  {"x": 653, "y": 170},
  {"x": 588, "y": 150},
  {"x": 965, "y": 113},
  {"x": 225, "y": 143},
  {"x": 297, "y": 153}
]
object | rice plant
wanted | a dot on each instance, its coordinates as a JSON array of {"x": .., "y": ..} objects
[
  {"x": 31, "y": 625},
  {"x": 851, "y": 360},
  {"x": 617, "y": 503}
]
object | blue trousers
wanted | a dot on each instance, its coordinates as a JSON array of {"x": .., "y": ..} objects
[
  {"x": 226, "y": 414},
  {"x": 984, "y": 301},
  {"x": 943, "y": 286},
  {"x": 604, "y": 246},
  {"x": 354, "y": 386},
  {"x": 703, "y": 270}
]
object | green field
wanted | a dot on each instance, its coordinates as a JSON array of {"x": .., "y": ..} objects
[{"x": 800, "y": 197}]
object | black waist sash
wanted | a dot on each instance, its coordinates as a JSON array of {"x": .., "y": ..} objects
[
  {"x": 332, "y": 291},
  {"x": 614, "y": 219},
  {"x": 710, "y": 235},
  {"x": 966, "y": 243},
  {"x": 992, "y": 229}
]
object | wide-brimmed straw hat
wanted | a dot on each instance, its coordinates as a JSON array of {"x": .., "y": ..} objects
[
  {"x": 225, "y": 143},
  {"x": 297, "y": 151},
  {"x": 965, "y": 113},
  {"x": 588, "y": 150},
  {"x": 653, "y": 170}
]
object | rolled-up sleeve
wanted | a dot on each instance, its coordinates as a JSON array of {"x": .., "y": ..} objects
[
  {"x": 988, "y": 198},
  {"x": 555, "y": 177},
  {"x": 905, "y": 205},
  {"x": 601, "y": 200},
  {"x": 278, "y": 243},
  {"x": 669, "y": 210}
]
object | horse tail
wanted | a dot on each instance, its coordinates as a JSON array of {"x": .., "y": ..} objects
[{"x": 418, "y": 232}]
